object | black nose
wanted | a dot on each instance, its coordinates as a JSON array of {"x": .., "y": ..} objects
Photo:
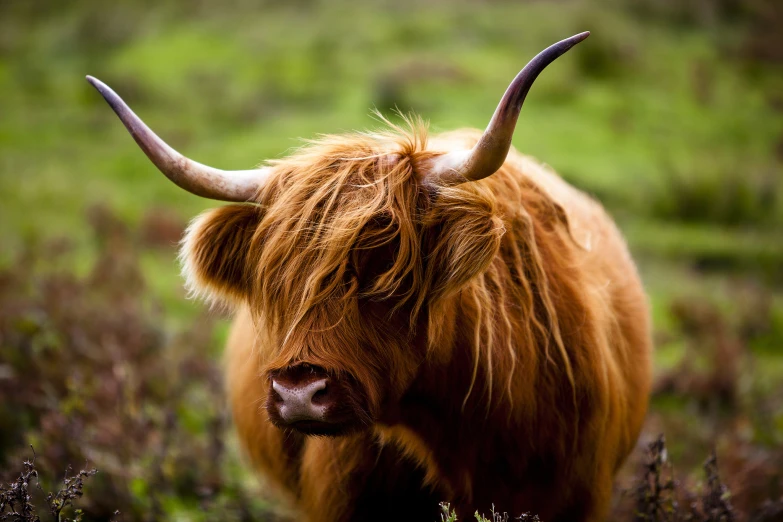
[{"x": 297, "y": 401}]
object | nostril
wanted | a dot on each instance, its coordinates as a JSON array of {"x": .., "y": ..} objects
[
  {"x": 320, "y": 395},
  {"x": 317, "y": 388}
]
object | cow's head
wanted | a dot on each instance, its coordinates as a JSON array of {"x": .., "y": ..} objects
[{"x": 341, "y": 250}]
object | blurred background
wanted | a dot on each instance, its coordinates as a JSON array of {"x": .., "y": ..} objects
[{"x": 671, "y": 114}]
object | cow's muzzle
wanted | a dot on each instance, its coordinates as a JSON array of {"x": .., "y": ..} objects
[{"x": 310, "y": 400}]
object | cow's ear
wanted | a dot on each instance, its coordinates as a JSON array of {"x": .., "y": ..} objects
[
  {"x": 464, "y": 235},
  {"x": 215, "y": 249}
]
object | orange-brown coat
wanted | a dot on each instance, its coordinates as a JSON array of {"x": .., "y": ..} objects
[{"x": 509, "y": 331}]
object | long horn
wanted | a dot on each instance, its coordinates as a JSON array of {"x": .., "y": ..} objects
[
  {"x": 198, "y": 179},
  {"x": 489, "y": 154}
]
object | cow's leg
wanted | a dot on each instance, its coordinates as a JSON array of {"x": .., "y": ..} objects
[{"x": 355, "y": 479}]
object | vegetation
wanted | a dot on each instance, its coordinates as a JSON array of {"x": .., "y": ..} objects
[
  {"x": 90, "y": 373},
  {"x": 671, "y": 114}
]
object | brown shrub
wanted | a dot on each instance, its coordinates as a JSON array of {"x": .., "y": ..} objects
[{"x": 89, "y": 373}]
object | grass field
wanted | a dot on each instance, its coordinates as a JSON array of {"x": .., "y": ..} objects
[{"x": 671, "y": 114}]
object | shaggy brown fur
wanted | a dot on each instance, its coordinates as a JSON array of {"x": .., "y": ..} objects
[{"x": 498, "y": 329}]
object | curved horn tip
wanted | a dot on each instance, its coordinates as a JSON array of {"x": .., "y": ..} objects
[
  {"x": 568, "y": 43},
  {"x": 95, "y": 82},
  {"x": 581, "y": 36},
  {"x": 101, "y": 87}
]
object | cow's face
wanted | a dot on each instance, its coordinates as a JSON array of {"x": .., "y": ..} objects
[
  {"x": 340, "y": 266},
  {"x": 342, "y": 367}
]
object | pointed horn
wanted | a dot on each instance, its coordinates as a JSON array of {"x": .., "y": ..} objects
[
  {"x": 198, "y": 179},
  {"x": 489, "y": 154}
]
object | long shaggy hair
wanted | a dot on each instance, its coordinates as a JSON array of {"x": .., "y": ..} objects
[{"x": 493, "y": 273}]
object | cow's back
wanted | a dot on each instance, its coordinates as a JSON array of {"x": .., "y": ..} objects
[{"x": 611, "y": 272}]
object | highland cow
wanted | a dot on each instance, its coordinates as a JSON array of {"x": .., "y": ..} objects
[{"x": 421, "y": 319}]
